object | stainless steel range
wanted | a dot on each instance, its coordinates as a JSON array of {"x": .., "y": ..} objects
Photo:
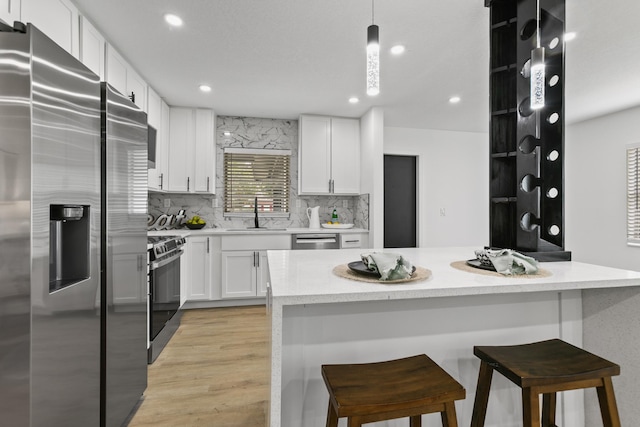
[{"x": 164, "y": 290}]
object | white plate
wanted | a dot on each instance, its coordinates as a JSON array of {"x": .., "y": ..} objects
[{"x": 337, "y": 225}]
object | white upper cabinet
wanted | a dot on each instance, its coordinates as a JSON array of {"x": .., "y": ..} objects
[
  {"x": 58, "y": 19},
  {"x": 116, "y": 68},
  {"x": 181, "y": 143},
  {"x": 121, "y": 75},
  {"x": 191, "y": 160},
  {"x": 329, "y": 155},
  {"x": 10, "y": 11},
  {"x": 92, "y": 45},
  {"x": 154, "y": 108},
  {"x": 154, "y": 118},
  {"x": 345, "y": 156},
  {"x": 204, "y": 153},
  {"x": 314, "y": 153}
]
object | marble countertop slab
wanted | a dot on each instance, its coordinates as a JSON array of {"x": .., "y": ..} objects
[
  {"x": 223, "y": 231},
  {"x": 306, "y": 277}
]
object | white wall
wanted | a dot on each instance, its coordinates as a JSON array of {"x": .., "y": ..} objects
[
  {"x": 595, "y": 221},
  {"x": 372, "y": 173},
  {"x": 595, "y": 189},
  {"x": 453, "y": 174}
]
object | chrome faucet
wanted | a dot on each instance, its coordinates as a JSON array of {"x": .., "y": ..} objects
[{"x": 255, "y": 212}]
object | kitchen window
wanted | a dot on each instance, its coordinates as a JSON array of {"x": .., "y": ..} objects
[
  {"x": 261, "y": 173},
  {"x": 633, "y": 195}
]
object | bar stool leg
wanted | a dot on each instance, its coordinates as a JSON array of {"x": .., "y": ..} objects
[
  {"x": 530, "y": 408},
  {"x": 608, "y": 406},
  {"x": 332, "y": 416},
  {"x": 549, "y": 410},
  {"x": 449, "y": 418},
  {"x": 354, "y": 422},
  {"x": 415, "y": 421},
  {"x": 482, "y": 395}
]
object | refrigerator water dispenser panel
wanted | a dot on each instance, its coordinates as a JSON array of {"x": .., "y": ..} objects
[{"x": 69, "y": 228}]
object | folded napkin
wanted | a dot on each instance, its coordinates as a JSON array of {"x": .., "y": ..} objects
[
  {"x": 391, "y": 266},
  {"x": 509, "y": 262}
]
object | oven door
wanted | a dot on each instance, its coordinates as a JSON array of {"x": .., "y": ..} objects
[{"x": 164, "y": 286}]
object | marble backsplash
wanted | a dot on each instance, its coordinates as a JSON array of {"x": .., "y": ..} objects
[{"x": 249, "y": 132}]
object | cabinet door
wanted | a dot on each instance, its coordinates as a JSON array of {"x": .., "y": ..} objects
[
  {"x": 116, "y": 68},
  {"x": 154, "y": 118},
  {"x": 262, "y": 271},
  {"x": 199, "y": 284},
  {"x": 204, "y": 153},
  {"x": 92, "y": 45},
  {"x": 58, "y": 19},
  {"x": 162, "y": 146},
  {"x": 154, "y": 109},
  {"x": 238, "y": 274},
  {"x": 345, "y": 155},
  {"x": 181, "y": 145},
  {"x": 137, "y": 88},
  {"x": 314, "y": 164},
  {"x": 10, "y": 11}
]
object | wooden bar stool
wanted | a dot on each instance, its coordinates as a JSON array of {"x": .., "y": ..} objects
[
  {"x": 408, "y": 387},
  {"x": 545, "y": 368}
]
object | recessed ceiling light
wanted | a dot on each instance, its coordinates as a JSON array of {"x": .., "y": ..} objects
[
  {"x": 454, "y": 99},
  {"x": 569, "y": 36},
  {"x": 173, "y": 20},
  {"x": 205, "y": 88},
  {"x": 354, "y": 100},
  {"x": 397, "y": 49}
]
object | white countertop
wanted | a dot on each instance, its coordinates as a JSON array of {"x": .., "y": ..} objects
[
  {"x": 305, "y": 277},
  {"x": 224, "y": 231}
]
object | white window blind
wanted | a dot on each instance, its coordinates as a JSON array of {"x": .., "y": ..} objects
[
  {"x": 633, "y": 192},
  {"x": 250, "y": 173}
]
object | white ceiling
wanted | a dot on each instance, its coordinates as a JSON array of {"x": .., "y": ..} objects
[{"x": 281, "y": 58}]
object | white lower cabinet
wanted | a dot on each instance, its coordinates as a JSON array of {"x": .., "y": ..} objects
[
  {"x": 244, "y": 266},
  {"x": 200, "y": 262},
  {"x": 244, "y": 274}
]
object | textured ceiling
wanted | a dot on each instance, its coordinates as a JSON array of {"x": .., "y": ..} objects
[{"x": 281, "y": 58}]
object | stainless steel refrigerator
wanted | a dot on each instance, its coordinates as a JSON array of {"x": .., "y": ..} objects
[
  {"x": 124, "y": 263},
  {"x": 54, "y": 302}
]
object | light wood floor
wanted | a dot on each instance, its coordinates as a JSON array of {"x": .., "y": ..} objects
[{"x": 213, "y": 373}]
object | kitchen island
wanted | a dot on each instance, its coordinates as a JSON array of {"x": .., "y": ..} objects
[{"x": 319, "y": 318}]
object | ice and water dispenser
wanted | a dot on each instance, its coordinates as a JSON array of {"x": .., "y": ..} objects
[{"x": 69, "y": 235}]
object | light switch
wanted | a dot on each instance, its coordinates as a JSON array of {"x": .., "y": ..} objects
[
  {"x": 345, "y": 203},
  {"x": 167, "y": 203}
]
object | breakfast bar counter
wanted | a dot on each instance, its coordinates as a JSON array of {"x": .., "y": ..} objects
[{"x": 320, "y": 318}]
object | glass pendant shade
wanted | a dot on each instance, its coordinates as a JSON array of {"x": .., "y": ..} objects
[
  {"x": 537, "y": 78},
  {"x": 373, "y": 61}
]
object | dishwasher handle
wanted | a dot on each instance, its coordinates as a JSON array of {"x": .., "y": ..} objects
[{"x": 315, "y": 241}]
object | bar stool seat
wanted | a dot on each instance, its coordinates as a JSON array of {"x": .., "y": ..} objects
[
  {"x": 545, "y": 368},
  {"x": 408, "y": 387}
]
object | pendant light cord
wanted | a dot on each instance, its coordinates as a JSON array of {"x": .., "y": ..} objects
[
  {"x": 537, "y": 23},
  {"x": 372, "y": 11}
]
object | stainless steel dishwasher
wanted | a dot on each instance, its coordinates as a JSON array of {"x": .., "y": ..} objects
[{"x": 315, "y": 241}]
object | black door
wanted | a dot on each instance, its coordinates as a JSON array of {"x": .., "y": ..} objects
[{"x": 399, "y": 201}]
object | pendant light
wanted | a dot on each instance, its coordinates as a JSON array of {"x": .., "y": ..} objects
[
  {"x": 373, "y": 57},
  {"x": 537, "y": 68}
]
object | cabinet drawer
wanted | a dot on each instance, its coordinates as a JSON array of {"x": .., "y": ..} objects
[
  {"x": 350, "y": 241},
  {"x": 255, "y": 243}
]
